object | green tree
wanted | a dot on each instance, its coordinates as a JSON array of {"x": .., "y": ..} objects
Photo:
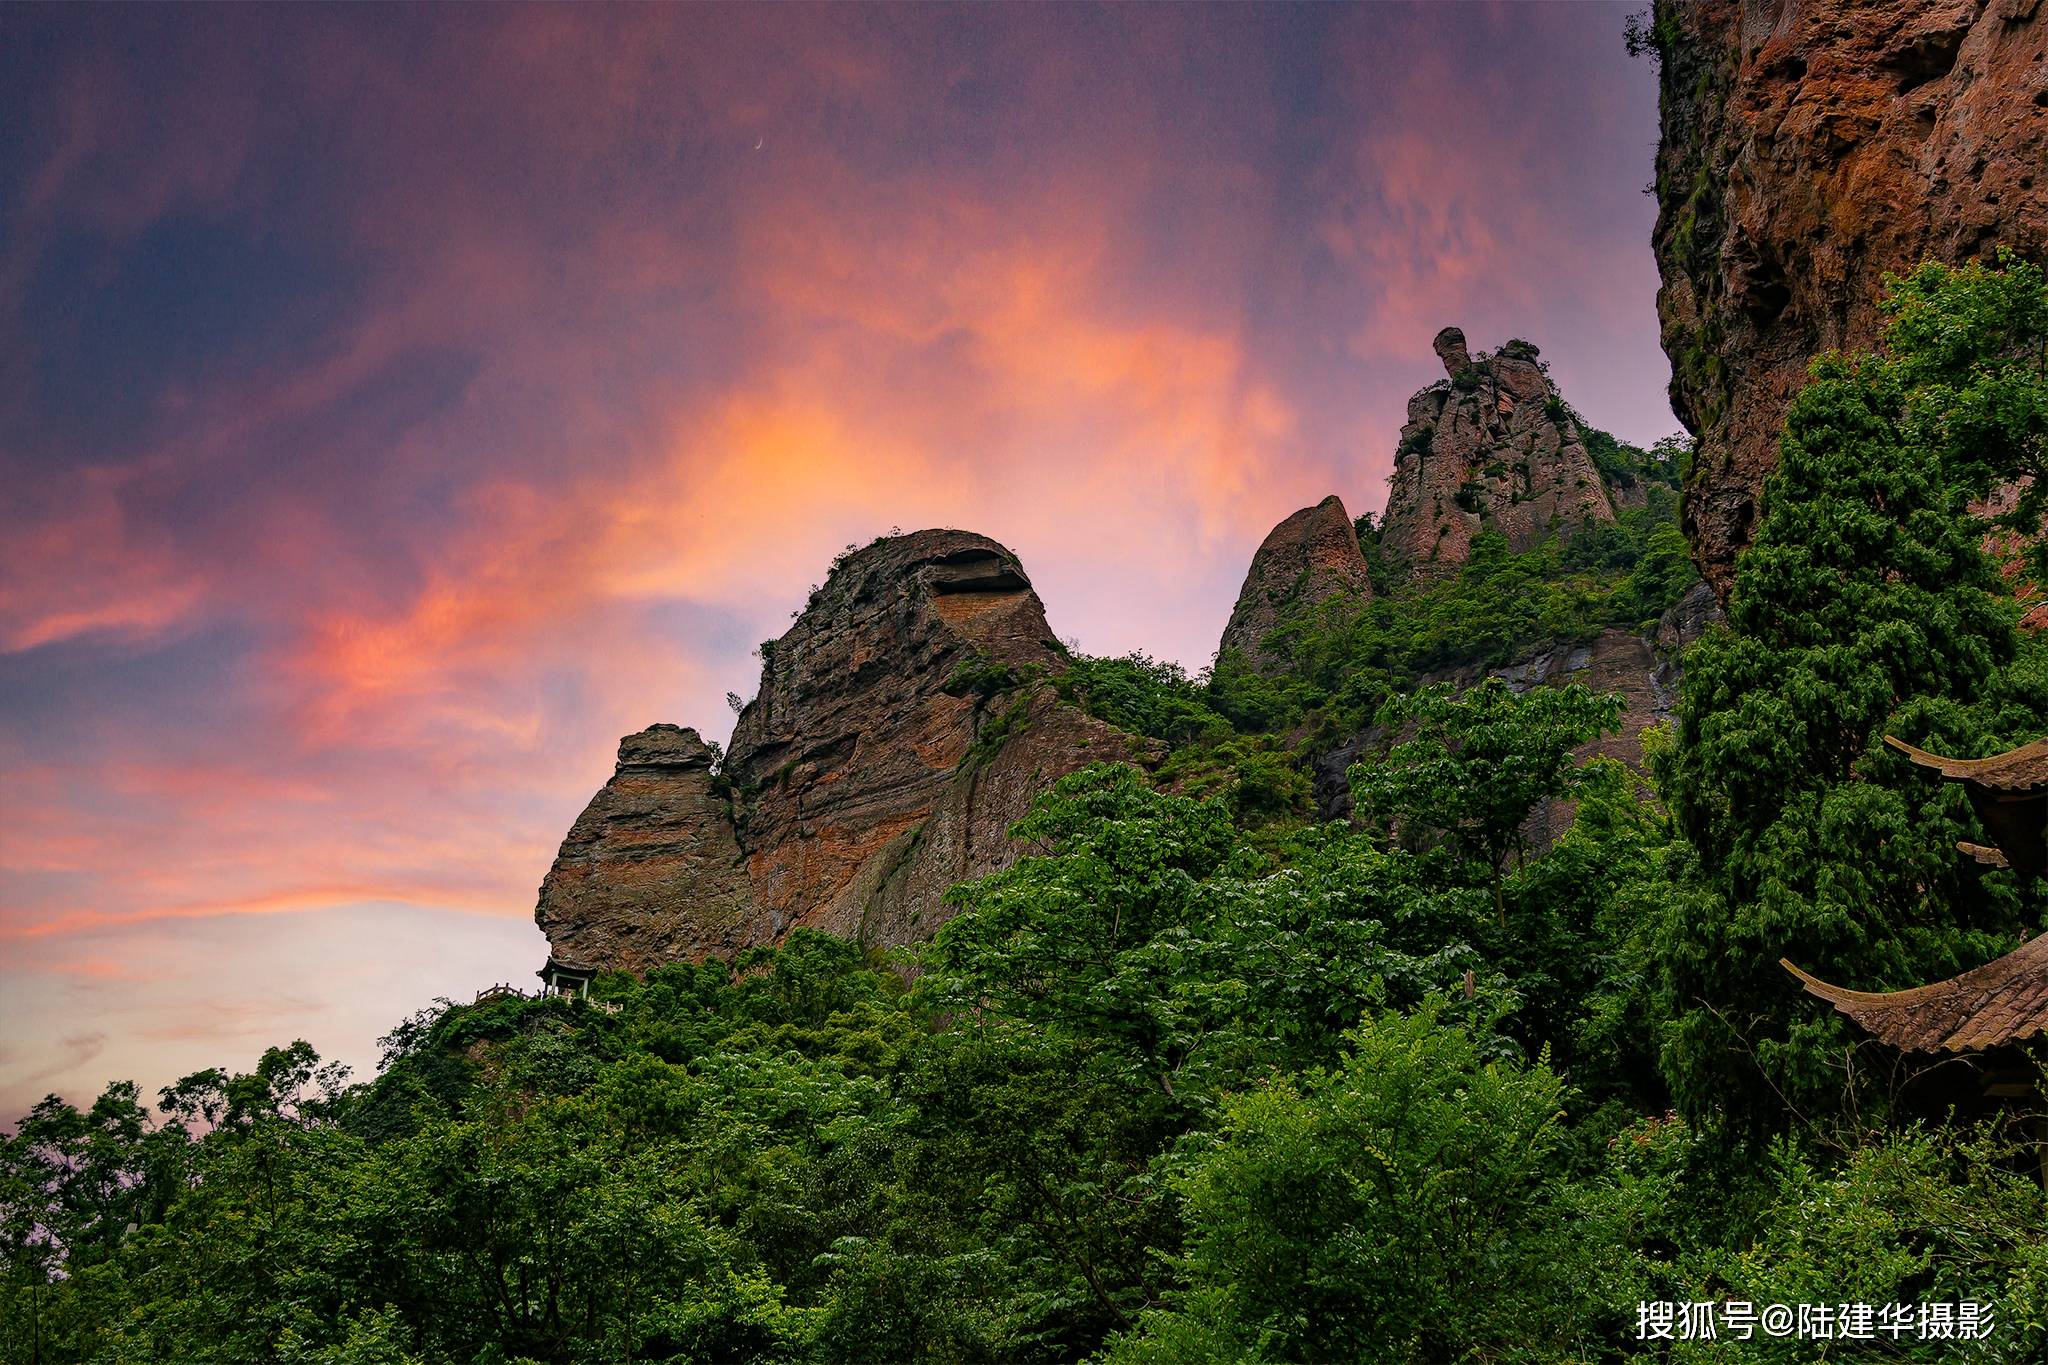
[
  {"x": 1410, "y": 1205},
  {"x": 1479, "y": 763},
  {"x": 1864, "y": 607}
]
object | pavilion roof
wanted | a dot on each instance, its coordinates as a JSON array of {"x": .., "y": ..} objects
[
  {"x": 2009, "y": 792},
  {"x": 2021, "y": 771},
  {"x": 2001, "y": 1002}
]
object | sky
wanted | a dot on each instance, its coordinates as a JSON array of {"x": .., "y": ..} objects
[{"x": 397, "y": 406}]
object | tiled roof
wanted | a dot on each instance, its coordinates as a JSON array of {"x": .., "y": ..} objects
[
  {"x": 2001, "y": 1002},
  {"x": 2009, "y": 792},
  {"x": 2024, "y": 769}
]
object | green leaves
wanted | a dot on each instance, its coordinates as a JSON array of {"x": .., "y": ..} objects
[
  {"x": 1144, "y": 696},
  {"x": 1865, "y": 607},
  {"x": 1479, "y": 763},
  {"x": 1409, "y": 1205}
]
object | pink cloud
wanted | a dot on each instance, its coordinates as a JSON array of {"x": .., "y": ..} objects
[{"x": 977, "y": 275}]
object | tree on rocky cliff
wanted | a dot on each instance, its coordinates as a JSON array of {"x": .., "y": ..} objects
[
  {"x": 1865, "y": 607},
  {"x": 1479, "y": 763}
]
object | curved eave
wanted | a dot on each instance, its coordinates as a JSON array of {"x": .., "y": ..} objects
[
  {"x": 1999, "y": 1003},
  {"x": 2021, "y": 770}
]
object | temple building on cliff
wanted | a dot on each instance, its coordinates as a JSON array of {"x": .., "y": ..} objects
[
  {"x": 1994, "y": 1012},
  {"x": 562, "y": 977}
]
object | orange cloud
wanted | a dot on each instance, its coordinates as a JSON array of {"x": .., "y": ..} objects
[{"x": 640, "y": 315}]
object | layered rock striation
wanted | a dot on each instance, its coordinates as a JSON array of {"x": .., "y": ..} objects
[
  {"x": 903, "y": 723},
  {"x": 870, "y": 706},
  {"x": 1307, "y": 559},
  {"x": 651, "y": 871},
  {"x": 1490, "y": 446},
  {"x": 1808, "y": 147}
]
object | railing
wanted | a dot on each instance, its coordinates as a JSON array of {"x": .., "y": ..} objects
[{"x": 505, "y": 990}]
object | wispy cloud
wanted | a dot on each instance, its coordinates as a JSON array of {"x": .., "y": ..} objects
[{"x": 395, "y": 411}]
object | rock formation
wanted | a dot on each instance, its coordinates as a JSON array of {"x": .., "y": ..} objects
[
  {"x": 651, "y": 870},
  {"x": 1642, "y": 669},
  {"x": 1490, "y": 446},
  {"x": 903, "y": 723},
  {"x": 863, "y": 728},
  {"x": 1305, "y": 560},
  {"x": 1809, "y": 146}
]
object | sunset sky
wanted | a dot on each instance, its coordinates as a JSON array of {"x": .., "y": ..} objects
[{"x": 399, "y": 405}]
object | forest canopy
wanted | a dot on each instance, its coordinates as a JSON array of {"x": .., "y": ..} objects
[{"x": 1206, "y": 1078}]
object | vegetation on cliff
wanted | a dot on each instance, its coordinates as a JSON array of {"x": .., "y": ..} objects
[
  {"x": 1346, "y": 655},
  {"x": 1203, "y": 1079}
]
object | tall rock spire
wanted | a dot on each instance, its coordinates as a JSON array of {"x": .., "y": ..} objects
[
  {"x": 1305, "y": 560},
  {"x": 1490, "y": 446}
]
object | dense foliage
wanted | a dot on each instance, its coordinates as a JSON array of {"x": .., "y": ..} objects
[
  {"x": 1205, "y": 1079},
  {"x": 1866, "y": 607},
  {"x": 1346, "y": 657}
]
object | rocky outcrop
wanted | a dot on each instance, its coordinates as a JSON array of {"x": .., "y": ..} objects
[
  {"x": 1642, "y": 669},
  {"x": 868, "y": 711},
  {"x": 1305, "y": 560},
  {"x": 651, "y": 871},
  {"x": 1688, "y": 618},
  {"x": 899, "y": 895},
  {"x": 1491, "y": 446},
  {"x": 1809, "y": 146},
  {"x": 903, "y": 723}
]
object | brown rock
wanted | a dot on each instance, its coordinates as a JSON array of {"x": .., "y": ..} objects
[
  {"x": 853, "y": 739},
  {"x": 902, "y": 725},
  {"x": 1449, "y": 346},
  {"x": 1809, "y": 146},
  {"x": 899, "y": 895},
  {"x": 1492, "y": 446},
  {"x": 650, "y": 872},
  {"x": 1305, "y": 560}
]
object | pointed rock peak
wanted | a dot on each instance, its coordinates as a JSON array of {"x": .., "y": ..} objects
[
  {"x": 1306, "y": 559},
  {"x": 1450, "y": 348},
  {"x": 664, "y": 746},
  {"x": 1495, "y": 449}
]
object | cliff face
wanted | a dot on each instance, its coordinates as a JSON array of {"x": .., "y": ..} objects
[
  {"x": 1809, "y": 146},
  {"x": 1306, "y": 559},
  {"x": 651, "y": 870},
  {"x": 900, "y": 728},
  {"x": 1492, "y": 445},
  {"x": 855, "y": 738},
  {"x": 1642, "y": 669}
]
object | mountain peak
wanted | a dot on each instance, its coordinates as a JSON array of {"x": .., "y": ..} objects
[
  {"x": 1493, "y": 446},
  {"x": 902, "y": 725},
  {"x": 1306, "y": 559}
]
